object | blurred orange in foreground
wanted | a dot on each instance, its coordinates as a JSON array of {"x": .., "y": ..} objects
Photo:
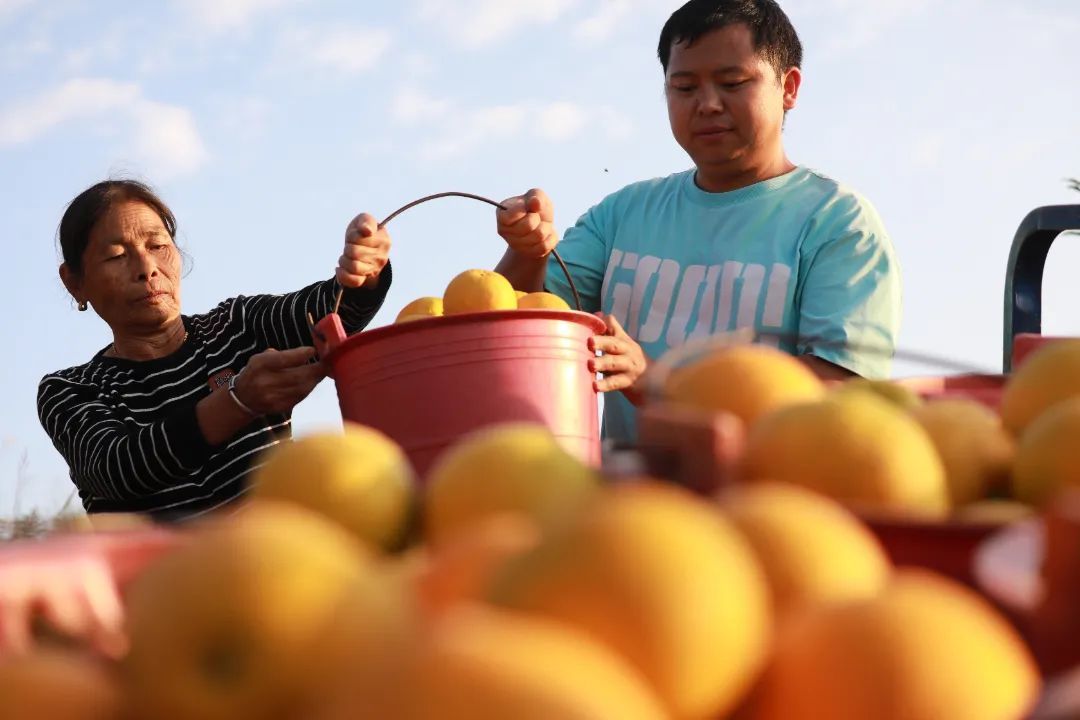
[
  {"x": 812, "y": 549},
  {"x": 255, "y": 617},
  {"x": 924, "y": 649},
  {"x": 56, "y": 685},
  {"x": 661, "y": 578},
  {"x": 517, "y": 468},
  {"x": 462, "y": 569},
  {"x": 749, "y": 381},
  {"x": 486, "y": 664}
]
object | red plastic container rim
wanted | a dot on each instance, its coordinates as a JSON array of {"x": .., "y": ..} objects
[{"x": 388, "y": 331}]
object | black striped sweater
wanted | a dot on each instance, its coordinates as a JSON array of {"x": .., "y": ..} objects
[{"x": 128, "y": 429}]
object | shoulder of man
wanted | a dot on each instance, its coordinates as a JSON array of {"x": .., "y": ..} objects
[
  {"x": 837, "y": 212},
  {"x": 636, "y": 196},
  {"x": 838, "y": 202},
  {"x": 650, "y": 187}
]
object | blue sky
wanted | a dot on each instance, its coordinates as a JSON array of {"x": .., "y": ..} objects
[{"x": 268, "y": 124}]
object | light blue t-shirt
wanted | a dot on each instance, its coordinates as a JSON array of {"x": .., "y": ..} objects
[{"x": 800, "y": 258}]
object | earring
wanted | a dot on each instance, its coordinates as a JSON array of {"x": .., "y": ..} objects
[{"x": 82, "y": 306}]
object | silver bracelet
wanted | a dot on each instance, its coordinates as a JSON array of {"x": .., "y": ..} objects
[{"x": 236, "y": 398}]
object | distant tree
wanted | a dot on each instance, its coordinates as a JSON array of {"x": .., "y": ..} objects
[{"x": 32, "y": 525}]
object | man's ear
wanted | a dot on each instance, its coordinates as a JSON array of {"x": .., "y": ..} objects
[
  {"x": 792, "y": 81},
  {"x": 72, "y": 281}
]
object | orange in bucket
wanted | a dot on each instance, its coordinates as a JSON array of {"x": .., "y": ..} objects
[
  {"x": 479, "y": 291},
  {"x": 420, "y": 308},
  {"x": 542, "y": 301}
]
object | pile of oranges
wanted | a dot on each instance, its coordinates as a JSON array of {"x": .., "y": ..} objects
[{"x": 478, "y": 291}]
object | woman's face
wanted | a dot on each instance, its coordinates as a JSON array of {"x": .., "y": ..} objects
[{"x": 131, "y": 271}]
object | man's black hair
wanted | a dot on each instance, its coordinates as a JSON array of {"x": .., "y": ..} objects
[{"x": 774, "y": 36}]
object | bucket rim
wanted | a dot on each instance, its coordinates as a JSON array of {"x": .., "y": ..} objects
[{"x": 441, "y": 321}]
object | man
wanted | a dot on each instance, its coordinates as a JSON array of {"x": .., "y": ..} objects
[{"x": 745, "y": 239}]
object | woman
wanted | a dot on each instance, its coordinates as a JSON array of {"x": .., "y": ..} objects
[{"x": 170, "y": 418}]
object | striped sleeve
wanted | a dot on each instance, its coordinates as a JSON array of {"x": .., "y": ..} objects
[
  {"x": 113, "y": 457},
  {"x": 280, "y": 321}
]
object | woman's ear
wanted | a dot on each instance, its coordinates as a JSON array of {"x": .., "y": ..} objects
[{"x": 72, "y": 281}]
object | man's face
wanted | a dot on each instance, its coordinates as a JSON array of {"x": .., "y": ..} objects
[{"x": 725, "y": 102}]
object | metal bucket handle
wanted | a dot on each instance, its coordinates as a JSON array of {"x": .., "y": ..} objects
[{"x": 318, "y": 335}]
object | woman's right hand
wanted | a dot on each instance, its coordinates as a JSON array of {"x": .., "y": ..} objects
[{"x": 274, "y": 381}]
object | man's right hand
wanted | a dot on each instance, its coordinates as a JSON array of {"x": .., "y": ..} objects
[
  {"x": 527, "y": 224},
  {"x": 274, "y": 381}
]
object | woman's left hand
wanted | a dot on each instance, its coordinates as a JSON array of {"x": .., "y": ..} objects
[
  {"x": 623, "y": 361},
  {"x": 367, "y": 250}
]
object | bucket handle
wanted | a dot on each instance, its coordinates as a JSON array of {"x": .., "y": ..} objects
[
  {"x": 414, "y": 203},
  {"x": 320, "y": 338}
]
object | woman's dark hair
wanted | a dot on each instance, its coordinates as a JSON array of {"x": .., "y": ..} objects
[
  {"x": 92, "y": 204},
  {"x": 774, "y": 36}
]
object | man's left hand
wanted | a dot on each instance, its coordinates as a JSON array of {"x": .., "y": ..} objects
[{"x": 623, "y": 361}]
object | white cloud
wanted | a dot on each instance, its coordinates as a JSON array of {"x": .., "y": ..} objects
[
  {"x": 412, "y": 106},
  {"x": 244, "y": 117},
  {"x": 602, "y": 23},
  {"x": 480, "y": 23},
  {"x": 10, "y": 7},
  {"x": 927, "y": 151},
  {"x": 560, "y": 121},
  {"x": 19, "y": 53},
  {"x": 856, "y": 23},
  {"x": 348, "y": 50},
  {"x": 163, "y": 138},
  {"x": 108, "y": 45},
  {"x": 617, "y": 126},
  {"x": 223, "y": 15},
  {"x": 455, "y": 130},
  {"x": 167, "y": 140},
  {"x": 1044, "y": 25},
  {"x": 500, "y": 121},
  {"x": 418, "y": 64},
  {"x": 868, "y": 21},
  {"x": 475, "y": 128},
  {"x": 74, "y": 100}
]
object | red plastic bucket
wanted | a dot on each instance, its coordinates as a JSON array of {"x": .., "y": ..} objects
[{"x": 428, "y": 382}]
